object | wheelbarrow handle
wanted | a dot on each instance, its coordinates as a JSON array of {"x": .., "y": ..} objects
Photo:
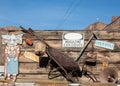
[{"x": 82, "y": 51}]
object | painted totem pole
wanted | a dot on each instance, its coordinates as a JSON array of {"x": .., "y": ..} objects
[{"x": 12, "y": 51}]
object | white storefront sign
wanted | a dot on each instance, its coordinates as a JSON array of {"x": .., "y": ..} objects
[
  {"x": 104, "y": 44},
  {"x": 72, "y": 40}
]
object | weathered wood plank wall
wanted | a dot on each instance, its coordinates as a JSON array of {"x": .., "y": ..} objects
[{"x": 30, "y": 70}]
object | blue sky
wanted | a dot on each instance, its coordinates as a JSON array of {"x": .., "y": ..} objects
[{"x": 57, "y": 14}]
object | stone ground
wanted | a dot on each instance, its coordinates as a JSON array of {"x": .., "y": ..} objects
[
  {"x": 52, "y": 83},
  {"x": 56, "y": 84}
]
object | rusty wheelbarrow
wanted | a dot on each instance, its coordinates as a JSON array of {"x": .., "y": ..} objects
[{"x": 62, "y": 63}]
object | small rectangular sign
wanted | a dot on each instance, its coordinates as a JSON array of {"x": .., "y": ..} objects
[
  {"x": 104, "y": 44},
  {"x": 72, "y": 39}
]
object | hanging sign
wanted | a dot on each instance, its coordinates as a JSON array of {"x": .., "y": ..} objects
[
  {"x": 72, "y": 40},
  {"x": 104, "y": 44}
]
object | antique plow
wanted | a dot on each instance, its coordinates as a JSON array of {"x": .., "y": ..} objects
[{"x": 62, "y": 63}]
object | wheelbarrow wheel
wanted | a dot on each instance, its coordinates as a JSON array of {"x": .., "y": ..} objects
[{"x": 54, "y": 73}]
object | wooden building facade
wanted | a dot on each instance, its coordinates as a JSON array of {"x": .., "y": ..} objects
[{"x": 30, "y": 71}]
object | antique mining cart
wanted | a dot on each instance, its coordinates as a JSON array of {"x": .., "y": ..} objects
[{"x": 62, "y": 63}]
